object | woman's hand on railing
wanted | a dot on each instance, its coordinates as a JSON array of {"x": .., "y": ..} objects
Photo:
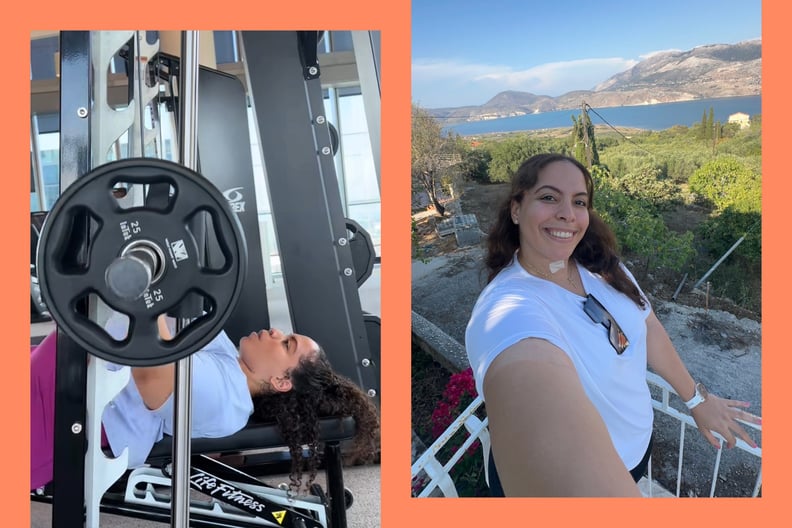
[{"x": 721, "y": 415}]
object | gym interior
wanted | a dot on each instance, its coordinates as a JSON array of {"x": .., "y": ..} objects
[{"x": 268, "y": 143}]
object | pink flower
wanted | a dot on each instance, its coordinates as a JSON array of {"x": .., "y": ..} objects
[{"x": 459, "y": 392}]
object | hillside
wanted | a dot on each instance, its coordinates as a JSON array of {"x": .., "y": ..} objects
[{"x": 705, "y": 72}]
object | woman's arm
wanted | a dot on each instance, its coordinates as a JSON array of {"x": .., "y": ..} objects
[
  {"x": 664, "y": 360},
  {"x": 714, "y": 414},
  {"x": 155, "y": 384},
  {"x": 548, "y": 437}
]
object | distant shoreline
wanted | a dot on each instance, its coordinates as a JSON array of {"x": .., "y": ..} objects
[
  {"x": 460, "y": 120},
  {"x": 659, "y": 116},
  {"x": 555, "y": 132}
]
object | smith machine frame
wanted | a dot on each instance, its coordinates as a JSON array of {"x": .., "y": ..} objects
[{"x": 318, "y": 265}]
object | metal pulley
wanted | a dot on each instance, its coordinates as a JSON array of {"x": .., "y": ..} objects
[{"x": 142, "y": 261}]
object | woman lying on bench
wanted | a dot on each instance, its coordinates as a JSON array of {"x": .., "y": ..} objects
[{"x": 272, "y": 377}]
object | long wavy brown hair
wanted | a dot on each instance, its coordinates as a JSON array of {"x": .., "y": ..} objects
[
  {"x": 597, "y": 251},
  {"x": 318, "y": 391}
]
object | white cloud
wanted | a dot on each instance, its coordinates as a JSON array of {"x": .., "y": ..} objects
[
  {"x": 441, "y": 69},
  {"x": 446, "y": 83},
  {"x": 476, "y": 83},
  {"x": 555, "y": 78}
]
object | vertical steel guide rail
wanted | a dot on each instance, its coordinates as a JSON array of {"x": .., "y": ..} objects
[{"x": 188, "y": 110}]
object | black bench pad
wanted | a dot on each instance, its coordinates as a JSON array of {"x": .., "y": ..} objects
[{"x": 257, "y": 436}]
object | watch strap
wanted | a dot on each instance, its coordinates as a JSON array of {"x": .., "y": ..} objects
[{"x": 696, "y": 399}]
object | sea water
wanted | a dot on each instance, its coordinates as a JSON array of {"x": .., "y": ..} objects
[{"x": 648, "y": 117}]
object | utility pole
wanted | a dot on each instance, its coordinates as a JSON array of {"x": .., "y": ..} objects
[{"x": 584, "y": 121}]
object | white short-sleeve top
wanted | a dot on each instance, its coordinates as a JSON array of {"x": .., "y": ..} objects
[
  {"x": 220, "y": 402},
  {"x": 517, "y": 305}
]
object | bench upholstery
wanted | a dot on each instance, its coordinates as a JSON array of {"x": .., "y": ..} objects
[{"x": 257, "y": 436}]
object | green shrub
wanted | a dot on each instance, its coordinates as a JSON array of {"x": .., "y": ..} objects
[
  {"x": 639, "y": 229},
  {"x": 647, "y": 183},
  {"x": 727, "y": 182},
  {"x": 723, "y": 229},
  {"x": 508, "y": 155}
]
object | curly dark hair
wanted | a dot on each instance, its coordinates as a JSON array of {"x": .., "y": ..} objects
[
  {"x": 318, "y": 391},
  {"x": 597, "y": 251}
]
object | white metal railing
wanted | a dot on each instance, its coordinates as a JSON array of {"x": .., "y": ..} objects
[
  {"x": 686, "y": 420},
  {"x": 429, "y": 466}
]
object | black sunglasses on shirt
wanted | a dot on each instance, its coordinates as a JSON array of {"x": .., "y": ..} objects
[{"x": 600, "y": 315}]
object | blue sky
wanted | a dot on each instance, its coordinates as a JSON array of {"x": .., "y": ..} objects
[{"x": 464, "y": 52}]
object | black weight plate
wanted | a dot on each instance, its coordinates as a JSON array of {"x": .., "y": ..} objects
[
  {"x": 73, "y": 259},
  {"x": 363, "y": 253}
]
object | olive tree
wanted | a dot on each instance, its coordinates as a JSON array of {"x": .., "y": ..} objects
[{"x": 430, "y": 151}]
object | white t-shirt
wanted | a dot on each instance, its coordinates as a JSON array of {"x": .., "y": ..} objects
[
  {"x": 517, "y": 305},
  {"x": 220, "y": 403}
]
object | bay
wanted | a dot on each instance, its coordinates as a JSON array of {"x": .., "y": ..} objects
[{"x": 647, "y": 117}]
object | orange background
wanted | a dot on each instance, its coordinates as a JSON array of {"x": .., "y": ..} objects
[{"x": 398, "y": 509}]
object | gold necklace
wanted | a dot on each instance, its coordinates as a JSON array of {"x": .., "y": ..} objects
[{"x": 549, "y": 277}]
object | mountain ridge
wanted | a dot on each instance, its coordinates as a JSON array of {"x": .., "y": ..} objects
[{"x": 704, "y": 72}]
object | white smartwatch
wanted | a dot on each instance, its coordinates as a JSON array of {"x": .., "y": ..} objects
[{"x": 699, "y": 397}]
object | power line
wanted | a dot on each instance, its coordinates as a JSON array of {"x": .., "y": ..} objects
[{"x": 588, "y": 106}]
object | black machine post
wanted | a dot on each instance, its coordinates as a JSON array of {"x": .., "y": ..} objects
[
  {"x": 225, "y": 159},
  {"x": 318, "y": 268},
  {"x": 316, "y": 250},
  {"x": 71, "y": 362}
]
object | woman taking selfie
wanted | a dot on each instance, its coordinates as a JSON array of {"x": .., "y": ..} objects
[{"x": 559, "y": 342}]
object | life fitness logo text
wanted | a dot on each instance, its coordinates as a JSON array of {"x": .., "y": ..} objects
[{"x": 235, "y": 199}]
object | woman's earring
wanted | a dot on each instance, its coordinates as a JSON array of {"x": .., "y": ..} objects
[{"x": 514, "y": 219}]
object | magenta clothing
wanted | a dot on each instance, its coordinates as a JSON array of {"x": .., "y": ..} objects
[{"x": 42, "y": 411}]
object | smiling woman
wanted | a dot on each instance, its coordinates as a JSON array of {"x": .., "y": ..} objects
[{"x": 559, "y": 342}]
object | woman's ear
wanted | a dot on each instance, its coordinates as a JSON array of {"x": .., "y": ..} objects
[
  {"x": 515, "y": 211},
  {"x": 283, "y": 384}
]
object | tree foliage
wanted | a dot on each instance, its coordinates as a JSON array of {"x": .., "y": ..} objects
[
  {"x": 430, "y": 153},
  {"x": 475, "y": 164},
  {"x": 720, "y": 232},
  {"x": 646, "y": 176},
  {"x": 646, "y": 182},
  {"x": 727, "y": 182},
  {"x": 638, "y": 227},
  {"x": 583, "y": 137},
  {"x": 507, "y": 155},
  {"x": 678, "y": 154},
  {"x": 710, "y": 123},
  {"x": 735, "y": 191}
]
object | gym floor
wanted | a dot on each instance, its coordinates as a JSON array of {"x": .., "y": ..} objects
[{"x": 362, "y": 481}]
